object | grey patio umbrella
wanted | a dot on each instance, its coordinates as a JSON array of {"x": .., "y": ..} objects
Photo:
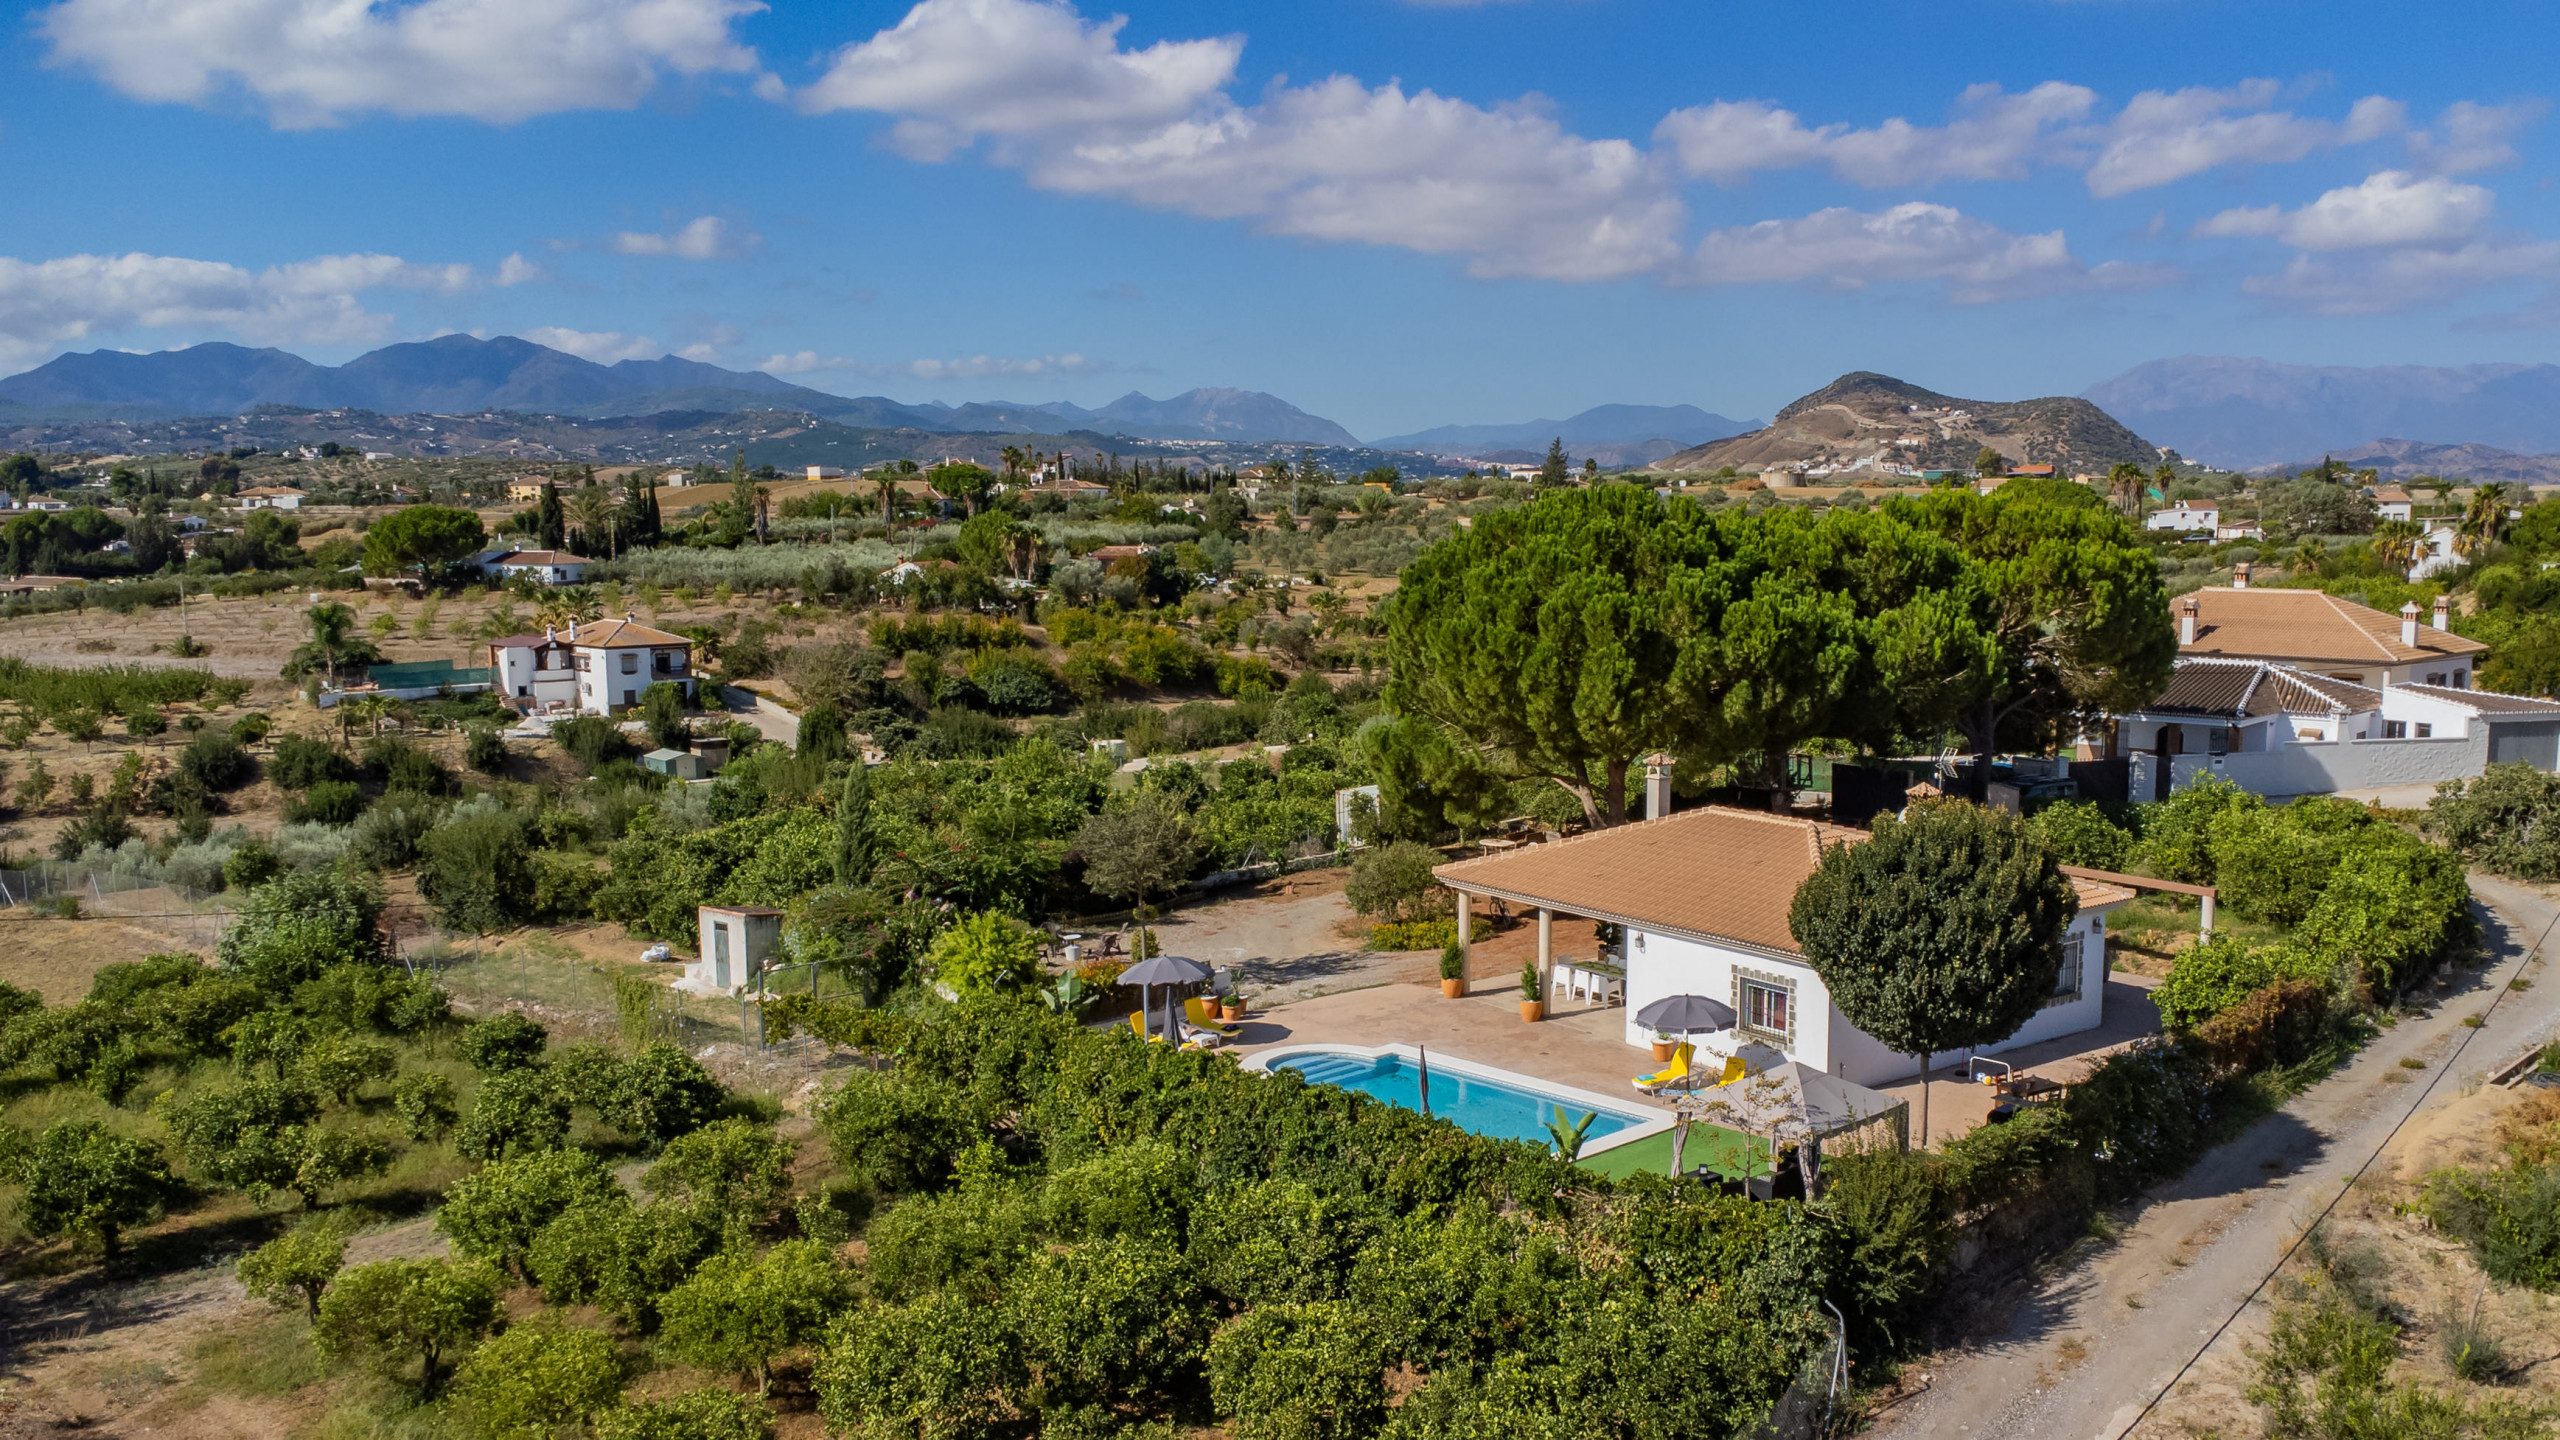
[
  {"x": 1162, "y": 970},
  {"x": 1687, "y": 1013}
]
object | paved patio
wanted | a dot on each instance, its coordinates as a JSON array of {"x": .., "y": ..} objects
[{"x": 1583, "y": 1046}]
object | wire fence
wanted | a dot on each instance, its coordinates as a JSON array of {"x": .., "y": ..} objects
[{"x": 189, "y": 917}]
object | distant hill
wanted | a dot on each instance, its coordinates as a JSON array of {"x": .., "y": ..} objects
[
  {"x": 2251, "y": 414},
  {"x": 2407, "y": 459},
  {"x": 466, "y": 375},
  {"x": 1610, "y": 425},
  {"x": 1869, "y": 417}
]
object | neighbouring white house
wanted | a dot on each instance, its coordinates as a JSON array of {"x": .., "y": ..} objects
[
  {"x": 45, "y": 505},
  {"x": 271, "y": 497},
  {"x": 591, "y": 669},
  {"x": 543, "y": 567},
  {"x": 736, "y": 944},
  {"x": 2314, "y": 631},
  {"x": 2436, "y": 553},
  {"x": 2240, "y": 530},
  {"x": 1703, "y": 897},
  {"x": 2199, "y": 515},
  {"x": 2393, "y": 503},
  {"x": 825, "y": 472},
  {"x": 2281, "y": 731}
]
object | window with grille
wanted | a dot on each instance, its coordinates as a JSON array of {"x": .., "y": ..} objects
[{"x": 1767, "y": 1006}]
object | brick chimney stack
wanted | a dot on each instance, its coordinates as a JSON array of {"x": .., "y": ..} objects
[
  {"x": 2240, "y": 576},
  {"x": 2409, "y": 623},
  {"x": 2444, "y": 612}
]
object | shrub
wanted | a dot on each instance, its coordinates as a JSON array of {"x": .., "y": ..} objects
[
  {"x": 1394, "y": 882},
  {"x": 300, "y": 762},
  {"x": 591, "y": 740},
  {"x": 476, "y": 867},
  {"x": 387, "y": 836},
  {"x": 517, "y": 1113},
  {"x": 2221, "y": 972},
  {"x": 896, "y": 1134},
  {"x": 331, "y": 802},
  {"x": 505, "y": 1041},
  {"x": 985, "y": 953},
  {"x": 495, "y": 1214},
  {"x": 296, "y": 1267},
  {"x": 1299, "y": 1372},
  {"x": 2277, "y": 1024},
  {"x": 2393, "y": 906},
  {"x": 216, "y": 761},
  {"x": 740, "y": 1315},
  {"x": 485, "y": 750},
  {"x": 660, "y": 1094},
  {"x": 2082, "y": 834},
  {"x": 424, "y": 1103},
  {"x": 537, "y": 1377},
  {"x": 393, "y": 1311},
  {"x": 932, "y": 1368},
  {"x": 2177, "y": 839},
  {"x": 294, "y": 927},
  {"x": 86, "y": 1182},
  {"x": 2506, "y": 821},
  {"x": 1427, "y": 935},
  {"x": 1103, "y": 1320}
]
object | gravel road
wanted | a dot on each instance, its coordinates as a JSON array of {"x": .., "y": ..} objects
[{"x": 2080, "y": 1355}]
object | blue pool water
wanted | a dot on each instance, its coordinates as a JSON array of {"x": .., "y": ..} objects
[{"x": 1485, "y": 1107}]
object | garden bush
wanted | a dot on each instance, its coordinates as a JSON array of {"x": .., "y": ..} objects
[
  {"x": 1427, "y": 934},
  {"x": 301, "y": 762},
  {"x": 2221, "y": 972},
  {"x": 330, "y": 802},
  {"x": 2507, "y": 820},
  {"x": 1394, "y": 883},
  {"x": 2082, "y": 834},
  {"x": 2277, "y": 1024}
]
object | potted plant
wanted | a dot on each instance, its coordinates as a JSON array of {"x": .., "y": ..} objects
[
  {"x": 1664, "y": 1047},
  {"x": 1231, "y": 1008},
  {"x": 1533, "y": 1008},
  {"x": 1453, "y": 971}
]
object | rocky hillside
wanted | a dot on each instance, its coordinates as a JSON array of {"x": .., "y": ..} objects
[{"x": 1878, "y": 421}]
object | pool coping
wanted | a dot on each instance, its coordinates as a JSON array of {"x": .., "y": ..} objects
[{"x": 1651, "y": 1122}]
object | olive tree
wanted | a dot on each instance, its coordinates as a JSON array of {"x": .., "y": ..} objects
[
  {"x": 1941, "y": 932},
  {"x": 1137, "y": 852}
]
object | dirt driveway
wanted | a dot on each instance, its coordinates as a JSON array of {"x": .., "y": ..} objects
[
  {"x": 1289, "y": 939},
  {"x": 2077, "y": 1356}
]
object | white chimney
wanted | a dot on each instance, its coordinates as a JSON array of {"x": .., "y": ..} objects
[
  {"x": 2444, "y": 612},
  {"x": 1657, "y": 786},
  {"x": 2187, "y": 621},
  {"x": 2409, "y": 624},
  {"x": 2240, "y": 576}
]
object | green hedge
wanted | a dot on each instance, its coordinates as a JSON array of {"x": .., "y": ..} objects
[{"x": 1426, "y": 934}]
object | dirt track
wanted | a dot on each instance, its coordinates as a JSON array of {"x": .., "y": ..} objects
[{"x": 2078, "y": 1356}]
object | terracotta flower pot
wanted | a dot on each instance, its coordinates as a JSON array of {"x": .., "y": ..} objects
[
  {"x": 1663, "y": 1050},
  {"x": 1232, "y": 1011},
  {"x": 1533, "y": 1011},
  {"x": 1454, "y": 988}
]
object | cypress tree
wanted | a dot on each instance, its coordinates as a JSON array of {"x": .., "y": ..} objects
[
  {"x": 550, "y": 520},
  {"x": 853, "y": 826}
]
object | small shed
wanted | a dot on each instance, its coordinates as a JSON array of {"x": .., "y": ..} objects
[
  {"x": 682, "y": 764},
  {"x": 737, "y": 942},
  {"x": 711, "y": 752}
]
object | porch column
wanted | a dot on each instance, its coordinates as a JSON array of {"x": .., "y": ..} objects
[
  {"x": 1546, "y": 952},
  {"x": 1466, "y": 947}
]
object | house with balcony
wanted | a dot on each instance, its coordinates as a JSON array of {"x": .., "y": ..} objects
[
  {"x": 1703, "y": 896},
  {"x": 596, "y": 668}
]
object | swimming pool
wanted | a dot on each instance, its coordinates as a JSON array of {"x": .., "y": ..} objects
[{"x": 1475, "y": 1098}]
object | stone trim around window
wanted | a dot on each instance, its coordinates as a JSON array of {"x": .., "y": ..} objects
[{"x": 1785, "y": 1039}]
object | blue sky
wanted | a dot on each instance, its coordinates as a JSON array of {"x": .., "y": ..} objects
[{"x": 1392, "y": 213}]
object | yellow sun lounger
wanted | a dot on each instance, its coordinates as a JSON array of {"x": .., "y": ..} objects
[
  {"x": 1196, "y": 1010},
  {"x": 1678, "y": 1067}
]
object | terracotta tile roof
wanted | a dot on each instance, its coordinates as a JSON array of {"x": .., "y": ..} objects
[
  {"x": 2307, "y": 627},
  {"x": 541, "y": 557},
  {"x": 2490, "y": 702},
  {"x": 1716, "y": 874},
  {"x": 620, "y": 632},
  {"x": 2237, "y": 688}
]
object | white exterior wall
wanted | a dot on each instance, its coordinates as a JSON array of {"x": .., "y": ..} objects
[
  {"x": 2178, "y": 517},
  {"x": 1670, "y": 965},
  {"x": 2322, "y": 768}
]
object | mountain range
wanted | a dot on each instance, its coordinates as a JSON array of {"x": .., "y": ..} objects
[
  {"x": 1866, "y": 420},
  {"x": 463, "y": 374},
  {"x": 2254, "y": 414}
]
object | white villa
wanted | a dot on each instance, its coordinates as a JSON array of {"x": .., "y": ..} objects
[
  {"x": 2190, "y": 515},
  {"x": 591, "y": 669},
  {"x": 1703, "y": 896},
  {"x": 543, "y": 567},
  {"x": 271, "y": 497}
]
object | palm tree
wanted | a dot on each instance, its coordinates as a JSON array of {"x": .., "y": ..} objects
[
  {"x": 2124, "y": 487},
  {"x": 2396, "y": 544},
  {"x": 2484, "y": 522},
  {"x": 332, "y": 635},
  {"x": 2308, "y": 557},
  {"x": 1013, "y": 461},
  {"x": 888, "y": 483},
  {"x": 588, "y": 506}
]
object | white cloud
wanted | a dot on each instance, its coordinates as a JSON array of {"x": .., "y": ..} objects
[
  {"x": 2470, "y": 136},
  {"x": 705, "y": 238},
  {"x": 602, "y": 346},
  {"x": 2391, "y": 208},
  {"x": 315, "y": 62},
  {"x": 1849, "y": 249},
  {"x": 953, "y": 70},
  {"x": 2399, "y": 279},
  {"x": 47, "y": 305},
  {"x": 2166, "y": 135},
  {"x": 963, "y": 368},
  {"x": 1994, "y": 136},
  {"x": 1506, "y": 187}
]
